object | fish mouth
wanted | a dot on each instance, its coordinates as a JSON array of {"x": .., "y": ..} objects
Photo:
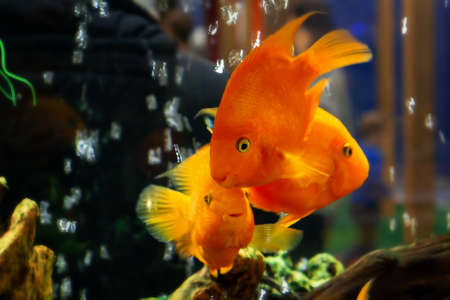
[{"x": 235, "y": 215}]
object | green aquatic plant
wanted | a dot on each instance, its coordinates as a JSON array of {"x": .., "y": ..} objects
[
  {"x": 7, "y": 76},
  {"x": 283, "y": 278}
]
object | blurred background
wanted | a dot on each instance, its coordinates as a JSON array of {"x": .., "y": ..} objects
[{"x": 118, "y": 84}]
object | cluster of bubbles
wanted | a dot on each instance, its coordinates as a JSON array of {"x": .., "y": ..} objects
[
  {"x": 230, "y": 13},
  {"x": 274, "y": 5},
  {"x": 86, "y": 143},
  {"x": 66, "y": 226},
  {"x": 235, "y": 57},
  {"x": 159, "y": 72}
]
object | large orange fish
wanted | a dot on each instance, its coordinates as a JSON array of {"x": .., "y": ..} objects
[
  {"x": 206, "y": 220},
  {"x": 268, "y": 106},
  {"x": 329, "y": 147}
]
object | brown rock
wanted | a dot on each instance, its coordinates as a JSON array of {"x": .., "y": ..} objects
[
  {"x": 25, "y": 271},
  {"x": 239, "y": 283}
]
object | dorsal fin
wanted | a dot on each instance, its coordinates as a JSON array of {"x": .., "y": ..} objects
[{"x": 283, "y": 39}]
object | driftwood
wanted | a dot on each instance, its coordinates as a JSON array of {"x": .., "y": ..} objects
[{"x": 417, "y": 271}]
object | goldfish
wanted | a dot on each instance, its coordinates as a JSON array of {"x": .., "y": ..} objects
[
  {"x": 328, "y": 147},
  {"x": 204, "y": 219},
  {"x": 268, "y": 107}
]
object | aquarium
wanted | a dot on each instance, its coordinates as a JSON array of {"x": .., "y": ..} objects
[{"x": 238, "y": 149}]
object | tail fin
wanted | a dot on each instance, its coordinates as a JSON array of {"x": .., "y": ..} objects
[
  {"x": 273, "y": 238},
  {"x": 164, "y": 212},
  {"x": 334, "y": 50}
]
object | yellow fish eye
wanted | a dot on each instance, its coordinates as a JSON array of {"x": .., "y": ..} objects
[
  {"x": 243, "y": 144},
  {"x": 347, "y": 150},
  {"x": 208, "y": 199}
]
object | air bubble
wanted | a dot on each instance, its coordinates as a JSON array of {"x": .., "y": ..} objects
[
  {"x": 167, "y": 140},
  {"x": 178, "y": 153},
  {"x": 442, "y": 137},
  {"x": 61, "y": 264},
  {"x": 88, "y": 257},
  {"x": 173, "y": 117},
  {"x": 257, "y": 41},
  {"x": 179, "y": 71},
  {"x": 429, "y": 121},
  {"x": 392, "y": 224},
  {"x": 67, "y": 165},
  {"x": 154, "y": 156},
  {"x": 104, "y": 254},
  {"x": 65, "y": 290},
  {"x": 406, "y": 219},
  {"x": 391, "y": 174},
  {"x": 410, "y": 105},
  {"x": 284, "y": 287},
  {"x": 169, "y": 252},
  {"x": 46, "y": 217},
  {"x": 189, "y": 268},
  {"x": 85, "y": 144},
  {"x": 83, "y": 294},
  {"x": 115, "y": 131},
  {"x": 213, "y": 28},
  {"x": 220, "y": 66},
  {"x": 81, "y": 41},
  {"x": 77, "y": 57},
  {"x": 448, "y": 221},
  {"x": 72, "y": 199},
  {"x": 151, "y": 102},
  {"x": 405, "y": 25},
  {"x": 48, "y": 77},
  {"x": 101, "y": 6},
  {"x": 262, "y": 294}
]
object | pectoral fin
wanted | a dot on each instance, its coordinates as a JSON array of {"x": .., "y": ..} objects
[
  {"x": 164, "y": 212},
  {"x": 273, "y": 238}
]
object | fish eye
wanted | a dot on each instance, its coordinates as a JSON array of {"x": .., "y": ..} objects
[
  {"x": 208, "y": 199},
  {"x": 347, "y": 150},
  {"x": 243, "y": 144}
]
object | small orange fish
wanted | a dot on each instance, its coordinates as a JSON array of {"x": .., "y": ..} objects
[
  {"x": 206, "y": 220},
  {"x": 268, "y": 106},
  {"x": 329, "y": 147}
]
